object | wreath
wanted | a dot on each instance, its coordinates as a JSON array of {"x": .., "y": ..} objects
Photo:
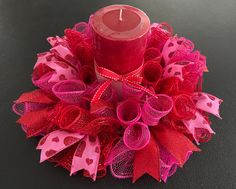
[{"x": 151, "y": 123}]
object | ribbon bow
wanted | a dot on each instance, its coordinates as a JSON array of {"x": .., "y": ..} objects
[{"x": 132, "y": 78}]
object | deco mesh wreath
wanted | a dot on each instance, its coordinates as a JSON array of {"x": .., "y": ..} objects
[{"x": 148, "y": 126}]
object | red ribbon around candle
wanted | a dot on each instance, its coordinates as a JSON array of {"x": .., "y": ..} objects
[{"x": 132, "y": 79}]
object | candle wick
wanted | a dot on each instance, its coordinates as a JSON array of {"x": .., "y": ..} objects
[{"x": 120, "y": 17}]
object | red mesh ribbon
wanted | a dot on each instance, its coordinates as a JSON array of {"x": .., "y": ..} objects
[
  {"x": 35, "y": 123},
  {"x": 73, "y": 118},
  {"x": 65, "y": 157},
  {"x": 80, "y": 46},
  {"x": 175, "y": 143},
  {"x": 160, "y": 33},
  {"x": 32, "y": 101},
  {"x": 184, "y": 107},
  {"x": 152, "y": 54},
  {"x": 147, "y": 160},
  {"x": 152, "y": 72},
  {"x": 37, "y": 96},
  {"x": 35, "y": 108},
  {"x": 130, "y": 78},
  {"x": 87, "y": 74},
  {"x": 103, "y": 109}
]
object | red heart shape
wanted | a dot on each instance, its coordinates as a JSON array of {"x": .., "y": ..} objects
[
  {"x": 89, "y": 161},
  {"x": 169, "y": 70},
  {"x": 70, "y": 140},
  {"x": 55, "y": 139},
  {"x": 177, "y": 73},
  {"x": 209, "y": 104},
  {"x": 50, "y": 153},
  {"x": 80, "y": 149},
  {"x": 97, "y": 150},
  {"x": 42, "y": 141}
]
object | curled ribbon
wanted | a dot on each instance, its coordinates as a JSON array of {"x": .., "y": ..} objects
[{"x": 132, "y": 78}]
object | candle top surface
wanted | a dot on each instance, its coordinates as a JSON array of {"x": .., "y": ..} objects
[{"x": 120, "y": 22}]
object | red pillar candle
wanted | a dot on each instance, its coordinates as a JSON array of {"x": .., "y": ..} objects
[{"x": 120, "y": 37}]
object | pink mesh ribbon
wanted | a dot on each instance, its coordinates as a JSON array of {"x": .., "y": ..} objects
[
  {"x": 136, "y": 136},
  {"x": 168, "y": 164},
  {"x": 69, "y": 91},
  {"x": 110, "y": 95},
  {"x": 32, "y": 101},
  {"x": 24, "y": 107},
  {"x": 155, "y": 108},
  {"x": 128, "y": 112},
  {"x": 121, "y": 160},
  {"x": 106, "y": 106},
  {"x": 103, "y": 109},
  {"x": 152, "y": 72},
  {"x": 83, "y": 28},
  {"x": 130, "y": 92}
]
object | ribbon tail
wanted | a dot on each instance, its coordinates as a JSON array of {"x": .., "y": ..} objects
[
  {"x": 175, "y": 143},
  {"x": 100, "y": 91},
  {"x": 147, "y": 160},
  {"x": 55, "y": 142},
  {"x": 86, "y": 156},
  {"x": 34, "y": 123},
  {"x": 36, "y": 96}
]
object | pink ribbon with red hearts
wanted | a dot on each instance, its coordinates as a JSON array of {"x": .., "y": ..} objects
[{"x": 86, "y": 155}]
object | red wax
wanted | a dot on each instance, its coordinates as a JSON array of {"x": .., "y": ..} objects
[{"x": 120, "y": 37}]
